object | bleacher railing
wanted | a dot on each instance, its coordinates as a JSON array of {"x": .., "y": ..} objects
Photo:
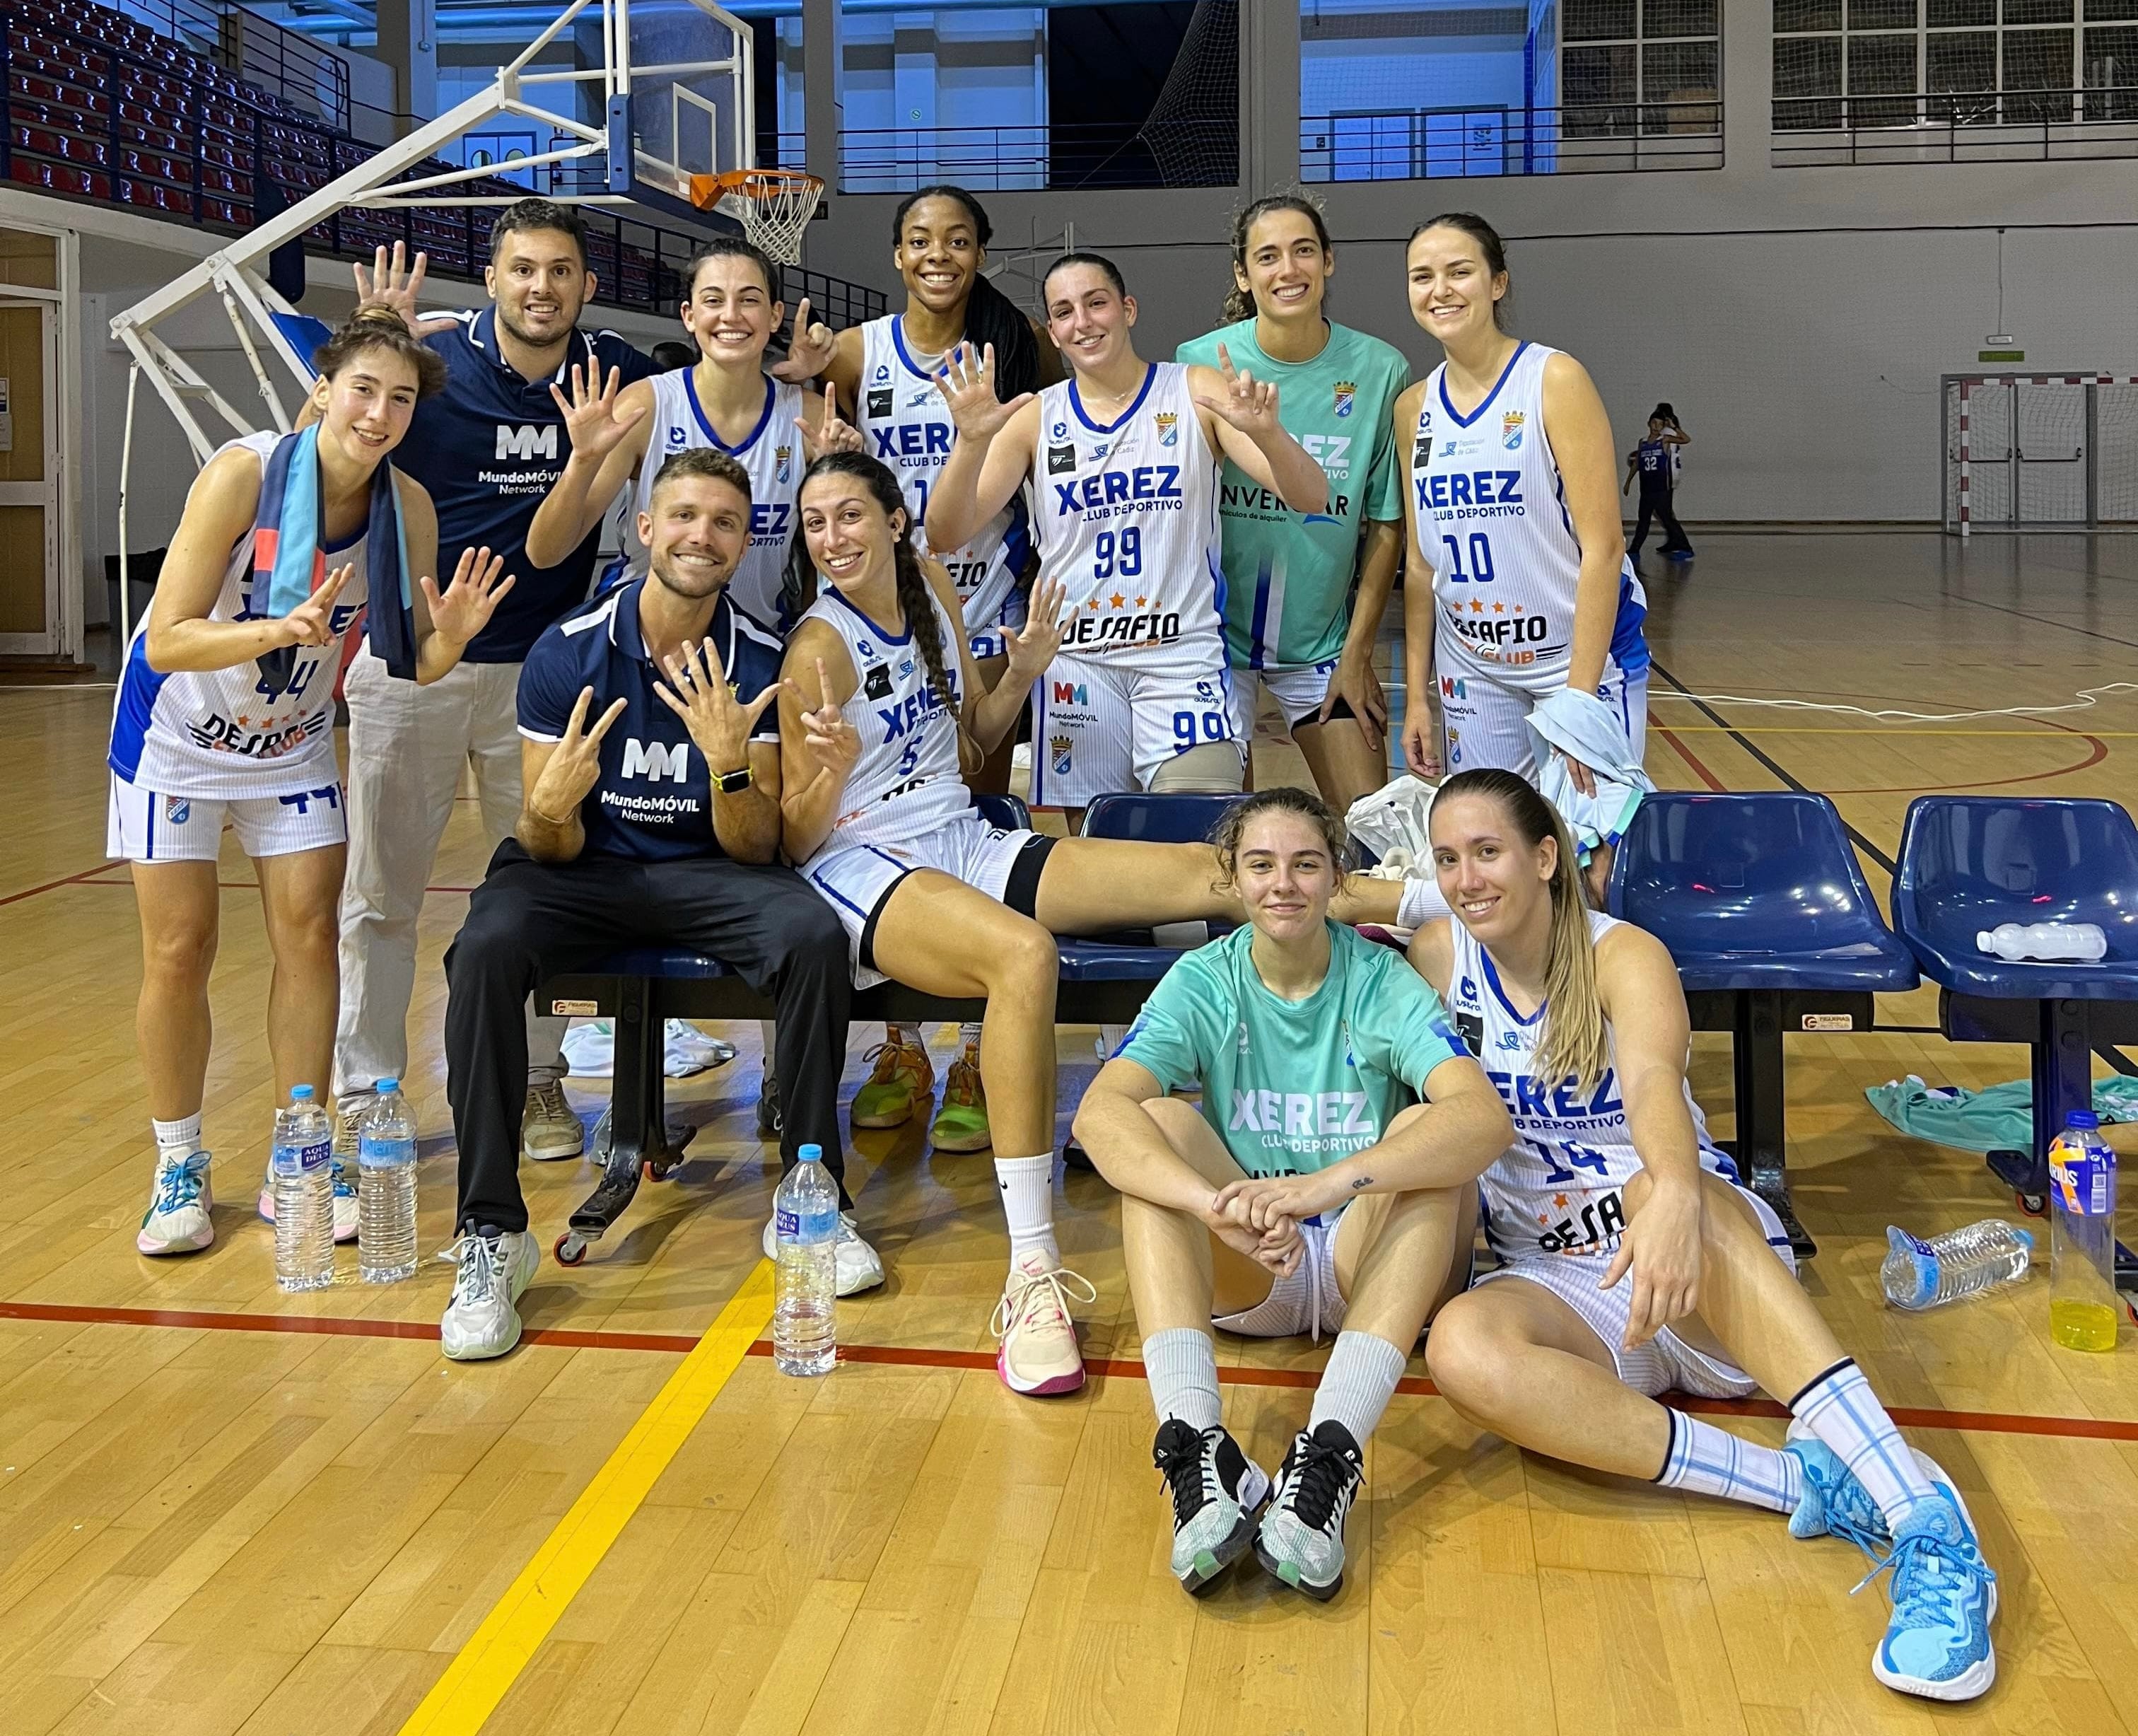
[
  {"x": 1041, "y": 158},
  {"x": 99, "y": 123},
  {"x": 1957, "y": 126},
  {"x": 284, "y": 62},
  {"x": 1422, "y": 144}
]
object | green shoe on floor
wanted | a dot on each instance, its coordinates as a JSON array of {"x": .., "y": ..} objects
[
  {"x": 902, "y": 1080},
  {"x": 961, "y": 1125}
]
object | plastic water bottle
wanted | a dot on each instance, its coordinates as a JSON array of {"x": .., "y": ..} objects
[
  {"x": 386, "y": 1189},
  {"x": 2082, "y": 942},
  {"x": 1919, "y": 1274},
  {"x": 805, "y": 1217},
  {"x": 302, "y": 1167},
  {"x": 2082, "y": 1303}
]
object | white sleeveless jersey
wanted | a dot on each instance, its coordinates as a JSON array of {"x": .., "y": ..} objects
[
  {"x": 906, "y": 783},
  {"x": 1557, "y": 1190},
  {"x": 219, "y": 734},
  {"x": 1128, "y": 521},
  {"x": 1490, "y": 512},
  {"x": 905, "y": 424},
  {"x": 771, "y": 453}
]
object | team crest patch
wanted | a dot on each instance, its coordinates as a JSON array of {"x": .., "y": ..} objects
[
  {"x": 1511, "y": 430},
  {"x": 783, "y": 457},
  {"x": 879, "y": 401},
  {"x": 177, "y": 810},
  {"x": 1060, "y": 460},
  {"x": 1169, "y": 428},
  {"x": 1059, "y": 746},
  {"x": 1347, "y": 395}
]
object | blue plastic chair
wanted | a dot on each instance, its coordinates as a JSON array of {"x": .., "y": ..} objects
[
  {"x": 1969, "y": 863},
  {"x": 1770, "y": 923},
  {"x": 1183, "y": 818}
]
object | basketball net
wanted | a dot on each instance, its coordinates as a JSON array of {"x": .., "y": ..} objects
[{"x": 773, "y": 205}]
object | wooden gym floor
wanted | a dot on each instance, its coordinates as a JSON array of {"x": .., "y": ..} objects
[{"x": 224, "y": 1510}]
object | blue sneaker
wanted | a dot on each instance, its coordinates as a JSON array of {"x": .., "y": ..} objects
[
  {"x": 1944, "y": 1597},
  {"x": 1678, "y": 554},
  {"x": 1834, "y": 1504}
]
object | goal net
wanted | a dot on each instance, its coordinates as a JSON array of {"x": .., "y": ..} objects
[{"x": 2040, "y": 452}]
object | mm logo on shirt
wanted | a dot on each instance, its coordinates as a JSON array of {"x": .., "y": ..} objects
[
  {"x": 526, "y": 441},
  {"x": 1067, "y": 692},
  {"x": 655, "y": 760}
]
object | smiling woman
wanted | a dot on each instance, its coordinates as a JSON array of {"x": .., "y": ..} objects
[
  {"x": 1312, "y": 1190},
  {"x": 226, "y": 711}
]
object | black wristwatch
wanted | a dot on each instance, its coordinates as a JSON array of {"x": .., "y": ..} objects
[{"x": 733, "y": 783}]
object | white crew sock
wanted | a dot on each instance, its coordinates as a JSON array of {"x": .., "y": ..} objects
[
  {"x": 182, "y": 1137},
  {"x": 1421, "y": 903},
  {"x": 1181, "y": 1367},
  {"x": 1027, "y": 1195},
  {"x": 1712, "y": 1461},
  {"x": 1840, "y": 1408},
  {"x": 1357, "y": 1385}
]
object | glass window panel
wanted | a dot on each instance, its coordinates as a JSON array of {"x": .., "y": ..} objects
[
  {"x": 1962, "y": 61},
  {"x": 2038, "y": 11},
  {"x": 1662, "y": 19},
  {"x": 1952, "y": 14},
  {"x": 1881, "y": 64},
  {"x": 2099, "y": 12},
  {"x": 2111, "y": 65},
  {"x": 1799, "y": 15},
  {"x": 1597, "y": 21},
  {"x": 2039, "y": 60},
  {"x": 1807, "y": 68},
  {"x": 1882, "y": 14}
]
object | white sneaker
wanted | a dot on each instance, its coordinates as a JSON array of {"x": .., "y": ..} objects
[
  {"x": 344, "y": 1203},
  {"x": 481, "y": 1320},
  {"x": 858, "y": 1265},
  {"x": 1039, "y": 1356},
  {"x": 550, "y": 1131},
  {"x": 177, "y": 1219}
]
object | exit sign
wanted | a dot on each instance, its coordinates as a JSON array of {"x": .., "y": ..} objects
[{"x": 2000, "y": 355}]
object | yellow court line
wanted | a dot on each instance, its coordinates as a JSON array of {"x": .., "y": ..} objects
[{"x": 486, "y": 1667}]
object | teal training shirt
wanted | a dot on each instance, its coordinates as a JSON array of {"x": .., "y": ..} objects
[
  {"x": 1293, "y": 1086},
  {"x": 1287, "y": 575}
]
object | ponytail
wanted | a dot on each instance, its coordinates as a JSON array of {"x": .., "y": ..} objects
[{"x": 1575, "y": 1043}]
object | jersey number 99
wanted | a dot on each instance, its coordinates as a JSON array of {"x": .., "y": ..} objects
[
  {"x": 1117, "y": 554},
  {"x": 1214, "y": 725}
]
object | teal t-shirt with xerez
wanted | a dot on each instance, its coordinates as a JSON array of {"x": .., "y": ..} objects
[
  {"x": 1293, "y": 1086},
  {"x": 1287, "y": 575}
]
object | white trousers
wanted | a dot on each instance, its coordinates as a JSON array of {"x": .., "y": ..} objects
[{"x": 407, "y": 747}]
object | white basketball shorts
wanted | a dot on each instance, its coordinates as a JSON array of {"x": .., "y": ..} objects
[
  {"x": 142, "y": 825},
  {"x": 1098, "y": 727}
]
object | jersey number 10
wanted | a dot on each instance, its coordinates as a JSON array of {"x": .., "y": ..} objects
[{"x": 1481, "y": 558}]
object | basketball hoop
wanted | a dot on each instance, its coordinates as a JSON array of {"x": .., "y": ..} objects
[{"x": 774, "y": 205}]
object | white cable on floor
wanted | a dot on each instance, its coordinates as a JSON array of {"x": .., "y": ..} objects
[{"x": 2084, "y": 702}]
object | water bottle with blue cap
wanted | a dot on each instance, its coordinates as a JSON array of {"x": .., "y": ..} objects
[{"x": 1921, "y": 1274}]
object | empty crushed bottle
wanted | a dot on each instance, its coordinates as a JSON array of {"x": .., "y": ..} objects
[
  {"x": 1925, "y": 1274},
  {"x": 2057, "y": 943}
]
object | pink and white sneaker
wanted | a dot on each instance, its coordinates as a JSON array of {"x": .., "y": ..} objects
[
  {"x": 177, "y": 1219},
  {"x": 1039, "y": 1356}
]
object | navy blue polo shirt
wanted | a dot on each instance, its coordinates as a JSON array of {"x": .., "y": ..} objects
[
  {"x": 654, "y": 800},
  {"x": 488, "y": 448}
]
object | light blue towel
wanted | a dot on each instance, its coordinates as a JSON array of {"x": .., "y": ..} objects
[
  {"x": 1580, "y": 725},
  {"x": 2000, "y": 1118}
]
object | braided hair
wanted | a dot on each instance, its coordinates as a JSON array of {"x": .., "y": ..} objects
[
  {"x": 916, "y": 597},
  {"x": 991, "y": 317}
]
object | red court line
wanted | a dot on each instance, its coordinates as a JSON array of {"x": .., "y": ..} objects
[
  {"x": 229, "y": 886},
  {"x": 1691, "y": 759},
  {"x": 54, "y": 885},
  {"x": 1987, "y": 1422}
]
